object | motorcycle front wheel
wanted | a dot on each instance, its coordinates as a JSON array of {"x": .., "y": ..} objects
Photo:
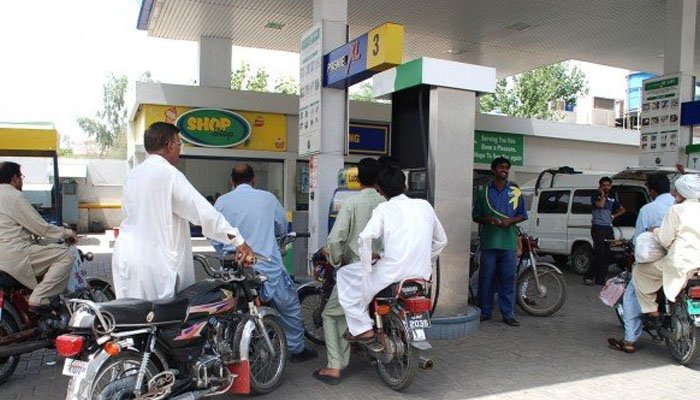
[
  {"x": 398, "y": 373},
  {"x": 312, "y": 303},
  {"x": 546, "y": 299},
  {"x": 683, "y": 339},
  {"x": 266, "y": 369},
  {"x": 7, "y": 364}
]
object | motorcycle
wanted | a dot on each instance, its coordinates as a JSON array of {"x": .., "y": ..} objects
[
  {"x": 23, "y": 332},
  {"x": 214, "y": 337},
  {"x": 313, "y": 297},
  {"x": 679, "y": 321}
]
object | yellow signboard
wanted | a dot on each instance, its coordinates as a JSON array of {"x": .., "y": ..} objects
[
  {"x": 385, "y": 46},
  {"x": 28, "y": 137},
  {"x": 268, "y": 131}
]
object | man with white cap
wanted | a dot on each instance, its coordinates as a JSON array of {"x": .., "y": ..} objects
[{"x": 679, "y": 233}]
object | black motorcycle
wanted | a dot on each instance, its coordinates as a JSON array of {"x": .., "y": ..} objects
[{"x": 214, "y": 337}]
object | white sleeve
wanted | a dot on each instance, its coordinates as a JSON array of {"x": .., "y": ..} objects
[
  {"x": 666, "y": 234},
  {"x": 373, "y": 230},
  {"x": 192, "y": 206},
  {"x": 439, "y": 238}
]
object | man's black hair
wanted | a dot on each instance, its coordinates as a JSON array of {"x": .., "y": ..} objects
[
  {"x": 8, "y": 170},
  {"x": 158, "y": 135},
  {"x": 387, "y": 161},
  {"x": 392, "y": 182},
  {"x": 605, "y": 179},
  {"x": 498, "y": 161},
  {"x": 367, "y": 171},
  {"x": 659, "y": 183},
  {"x": 242, "y": 173}
]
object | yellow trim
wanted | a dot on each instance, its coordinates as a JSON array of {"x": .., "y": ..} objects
[
  {"x": 100, "y": 205},
  {"x": 388, "y": 39},
  {"x": 26, "y": 137}
]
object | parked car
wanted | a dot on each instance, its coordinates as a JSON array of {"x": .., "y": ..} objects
[{"x": 559, "y": 209}]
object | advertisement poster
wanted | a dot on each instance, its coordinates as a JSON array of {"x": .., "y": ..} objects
[
  {"x": 310, "y": 80},
  {"x": 662, "y": 138}
]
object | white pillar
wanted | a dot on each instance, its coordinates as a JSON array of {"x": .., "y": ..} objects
[
  {"x": 215, "y": 62},
  {"x": 333, "y": 14},
  {"x": 679, "y": 48}
]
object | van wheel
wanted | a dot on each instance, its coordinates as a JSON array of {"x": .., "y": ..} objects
[
  {"x": 560, "y": 259},
  {"x": 581, "y": 258}
]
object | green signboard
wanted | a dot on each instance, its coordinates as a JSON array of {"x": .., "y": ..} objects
[
  {"x": 212, "y": 127},
  {"x": 489, "y": 145}
]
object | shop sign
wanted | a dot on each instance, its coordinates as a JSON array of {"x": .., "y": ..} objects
[
  {"x": 489, "y": 145},
  {"x": 212, "y": 127},
  {"x": 375, "y": 51},
  {"x": 368, "y": 139}
]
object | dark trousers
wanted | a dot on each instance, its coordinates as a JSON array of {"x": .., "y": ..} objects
[
  {"x": 598, "y": 270},
  {"x": 501, "y": 263}
]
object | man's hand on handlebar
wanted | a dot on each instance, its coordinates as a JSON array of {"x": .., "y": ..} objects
[{"x": 245, "y": 256}]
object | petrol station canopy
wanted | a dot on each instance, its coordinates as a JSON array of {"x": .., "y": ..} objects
[{"x": 511, "y": 35}]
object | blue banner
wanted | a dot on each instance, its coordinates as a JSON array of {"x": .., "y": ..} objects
[
  {"x": 347, "y": 64},
  {"x": 690, "y": 113},
  {"x": 368, "y": 139}
]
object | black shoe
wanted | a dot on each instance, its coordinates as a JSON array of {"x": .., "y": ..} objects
[
  {"x": 511, "y": 321},
  {"x": 304, "y": 355},
  {"x": 44, "y": 311}
]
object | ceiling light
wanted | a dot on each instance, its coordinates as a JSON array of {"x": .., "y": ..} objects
[
  {"x": 519, "y": 26},
  {"x": 275, "y": 25},
  {"x": 455, "y": 51},
  {"x": 660, "y": 55}
]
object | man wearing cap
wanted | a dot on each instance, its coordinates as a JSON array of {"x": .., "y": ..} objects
[{"x": 679, "y": 233}]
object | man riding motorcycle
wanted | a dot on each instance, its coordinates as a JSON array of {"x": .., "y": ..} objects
[{"x": 20, "y": 256}]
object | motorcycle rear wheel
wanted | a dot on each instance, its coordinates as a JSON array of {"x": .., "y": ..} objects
[
  {"x": 312, "y": 304},
  {"x": 7, "y": 364},
  {"x": 529, "y": 297},
  {"x": 686, "y": 349},
  {"x": 121, "y": 366},
  {"x": 400, "y": 371}
]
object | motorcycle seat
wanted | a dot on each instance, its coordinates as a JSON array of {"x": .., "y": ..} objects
[
  {"x": 8, "y": 282},
  {"x": 131, "y": 312},
  {"x": 408, "y": 287}
]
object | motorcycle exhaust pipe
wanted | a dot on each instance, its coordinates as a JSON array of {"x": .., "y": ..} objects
[
  {"x": 425, "y": 363},
  {"x": 17, "y": 349}
]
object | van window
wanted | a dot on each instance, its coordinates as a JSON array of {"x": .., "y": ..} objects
[
  {"x": 582, "y": 202},
  {"x": 553, "y": 202},
  {"x": 632, "y": 198},
  {"x": 527, "y": 199}
]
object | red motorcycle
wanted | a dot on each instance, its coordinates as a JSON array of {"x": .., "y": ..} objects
[{"x": 22, "y": 332}]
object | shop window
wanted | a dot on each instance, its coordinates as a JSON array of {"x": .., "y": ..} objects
[
  {"x": 582, "y": 203},
  {"x": 553, "y": 202}
]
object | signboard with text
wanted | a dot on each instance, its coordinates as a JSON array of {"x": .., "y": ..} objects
[
  {"x": 310, "y": 80},
  {"x": 368, "y": 138},
  {"x": 375, "y": 51},
  {"x": 489, "y": 145}
]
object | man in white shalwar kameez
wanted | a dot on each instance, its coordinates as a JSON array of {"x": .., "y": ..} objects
[
  {"x": 152, "y": 257},
  {"x": 412, "y": 238},
  {"x": 679, "y": 233}
]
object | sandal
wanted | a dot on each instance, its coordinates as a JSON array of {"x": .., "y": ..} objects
[
  {"x": 327, "y": 379},
  {"x": 621, "y": 345}
]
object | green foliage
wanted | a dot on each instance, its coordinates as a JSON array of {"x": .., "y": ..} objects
[
  {"x": 533, "y": 94},
  {"x": 238, "y": 77},
  {"x": 258, "y": 83},
  {"x": 145, "y": 77},
  {"x": 108, "y": 128},
  {"x": 64, "y": 149},
  {"x": 362, "y": 92},
  {"x": 286, "y": 85}
]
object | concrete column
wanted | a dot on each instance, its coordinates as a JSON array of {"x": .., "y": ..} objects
[
  {"x": 333, "y": 15},
  {"x": 679, "y": 47},
  {"x": 215, "y": 62},
  {"x": 450, "y": 163}
]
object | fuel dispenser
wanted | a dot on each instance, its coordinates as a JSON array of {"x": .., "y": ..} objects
[{"x": 348, "y": 186}]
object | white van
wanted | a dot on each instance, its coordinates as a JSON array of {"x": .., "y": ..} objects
[{"x": 559, "y": 209}]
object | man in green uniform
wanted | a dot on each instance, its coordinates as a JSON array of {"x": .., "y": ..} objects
[{"x": 343, "y": 248}]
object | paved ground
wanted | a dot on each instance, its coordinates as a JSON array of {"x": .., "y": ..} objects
[{"x": 558, "y": 357}]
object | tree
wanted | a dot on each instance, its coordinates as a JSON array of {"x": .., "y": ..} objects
[
  {"x": 239, "y": 77},
  {"x": 534, "y": 94},
  {"x": 108, "y": 128},
  {"x": 64, "y": 149},
  {"x": 362, "y": 92},
  {"x": 286, "y": 85}
]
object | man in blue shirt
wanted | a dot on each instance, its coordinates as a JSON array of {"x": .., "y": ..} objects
[
  {"x": 497, "y": 209},
  {"x": 260, "y": 218},
  {"x": 650, "y": 216},
  {"x": 605, "y": 209}
]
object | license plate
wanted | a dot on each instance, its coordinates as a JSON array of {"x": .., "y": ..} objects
[
  {"x": 75, "y": 368},
  {"x": 420, "y": 321},
  {"x": 694, "y": 307},
  {"x": 418, "y": 335}
]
